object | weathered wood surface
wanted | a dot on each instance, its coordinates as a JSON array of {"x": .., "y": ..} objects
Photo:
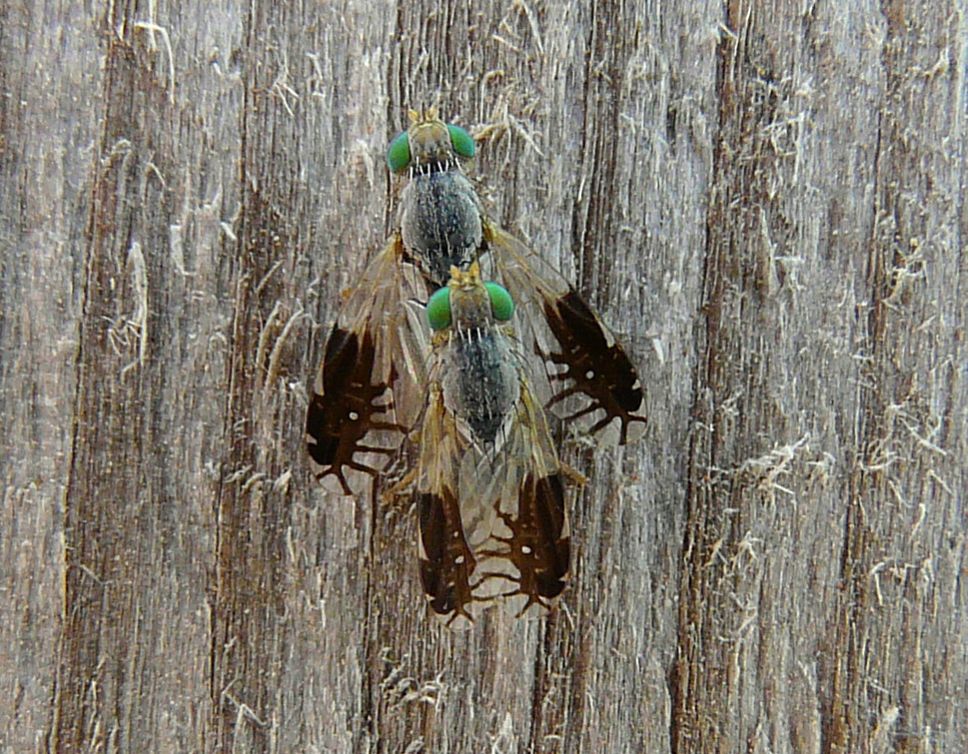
[{"x": 765, "y": 198}]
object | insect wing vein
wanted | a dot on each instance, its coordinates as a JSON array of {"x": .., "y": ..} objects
[
  {"x": 588, "y": 379},
  {"x": 446, "y": 561},
  {"x": 373, "y": 367},
  {"x": 528, "y": 553}
]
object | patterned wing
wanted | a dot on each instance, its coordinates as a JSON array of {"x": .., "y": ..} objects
[
  {"x": 526, "y": 557},
  {"x": 592, "y": 382},
  {"x": 371, "y": 380},
  {"x": 447, "y": 563}
]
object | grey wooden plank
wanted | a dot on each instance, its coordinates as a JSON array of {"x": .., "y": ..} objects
[
  {"x": 766, "y": 205},
  {"x": 44, "y": 161},
  {"x": 806, "y": 483}
]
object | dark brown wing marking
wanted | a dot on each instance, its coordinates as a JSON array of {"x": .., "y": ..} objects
[
  {"x": 595, "y": 367},
  {"x": 446, "y": 561},
  {"x": 369, "y": 385},
  {"x": 577, "y": 347},
  {"x": 348, "y": 408},
  {"x": 539, "y": 545}
]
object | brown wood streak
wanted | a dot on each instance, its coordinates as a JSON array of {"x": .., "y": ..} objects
[
  {"x": 102, "y": 541},
  {"x": 160, "y": 592},
  {"x": 593, "y": 225},
  {"x": 687, "y": 734},
  {"x": 247, "y": 593},
  {"x": 701, "y": 678}
]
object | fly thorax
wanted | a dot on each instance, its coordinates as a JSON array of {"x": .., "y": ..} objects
[
  {"x": 481, "y": 386},
  {"x": 440, "y": 220}
]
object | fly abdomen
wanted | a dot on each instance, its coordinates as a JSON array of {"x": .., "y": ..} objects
[{"x": 440, "y": 220}]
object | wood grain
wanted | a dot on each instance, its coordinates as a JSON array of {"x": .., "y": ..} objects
[{"x": 764, "y": 199}]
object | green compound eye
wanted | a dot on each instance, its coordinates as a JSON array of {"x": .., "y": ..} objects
[
  {"x": 461, "y": 141},
  {"x": 438, "y": 309},
  {"x": 398, "y": 153},
  {"x": 502, "y": 307}
]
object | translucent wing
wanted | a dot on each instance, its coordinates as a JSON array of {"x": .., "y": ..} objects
[
  {"x": 492, "y": 520},
  {"x": 370, "y": 383},
  {"x": 446, "y": 561},
  {"x": 592, "y": 383},
  {"x": 526, "y": 557}
]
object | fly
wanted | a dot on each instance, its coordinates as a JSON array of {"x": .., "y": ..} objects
[{"x": 489, "y": 485}]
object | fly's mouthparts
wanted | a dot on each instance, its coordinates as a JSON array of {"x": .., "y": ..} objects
[{"x": 436, "y": 166}]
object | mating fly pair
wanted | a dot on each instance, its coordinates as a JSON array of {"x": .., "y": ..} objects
[{"x": 423, "y": 351}]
